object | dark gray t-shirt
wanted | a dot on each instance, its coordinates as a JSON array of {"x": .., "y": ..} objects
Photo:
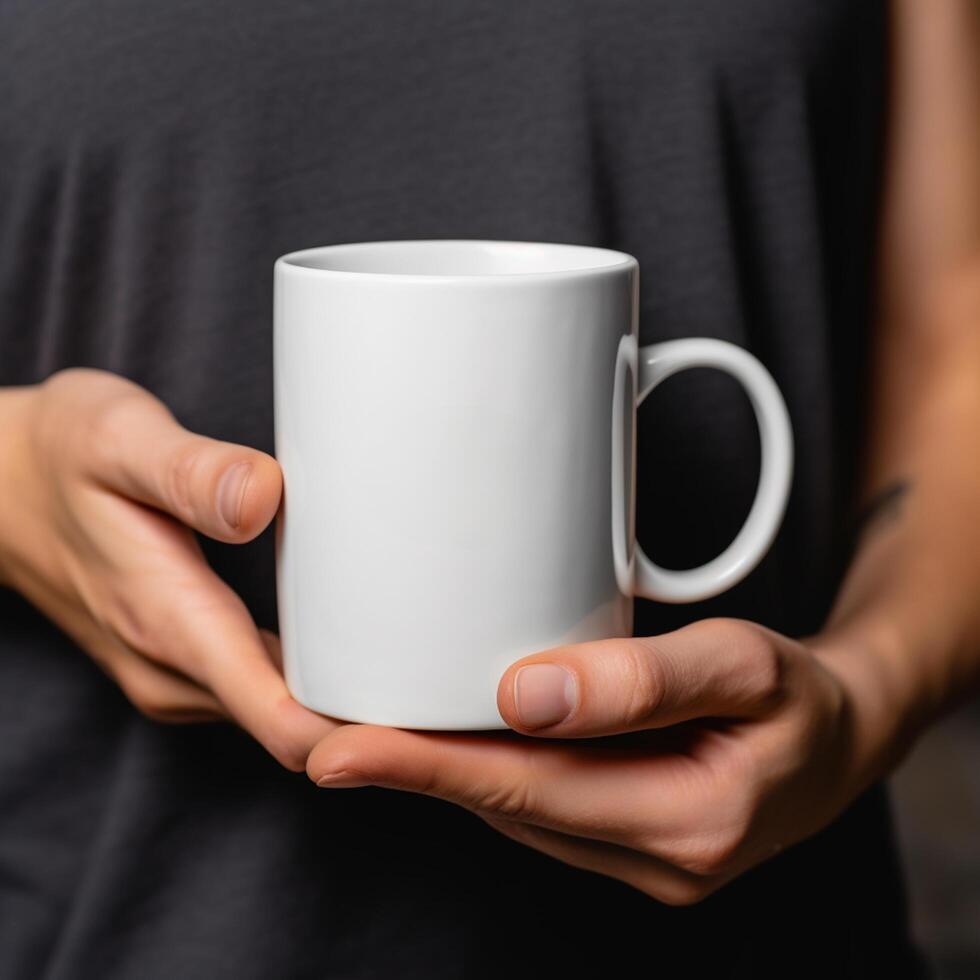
[{"x": 154, "y": 160}]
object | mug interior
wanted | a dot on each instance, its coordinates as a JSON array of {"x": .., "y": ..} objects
[{"x": 457, "y": 258}]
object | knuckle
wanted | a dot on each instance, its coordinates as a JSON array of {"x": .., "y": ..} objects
[
  {"x": 74, "y": 382},
  {"x": 102, "y": 428},
  {"x": 761, "y": 664},
  {"x": 150, "y": 632},
  {"x": 164, "y": 647},
  {"x": 768, "y": 675},
  {"x": 127, "y": 621},
  {"x": 50, "y": 423},
  {"x": 716, "y": 844},
  {"x": 515, "y": 798},
  {"x": 182, "y": 479},
  {"x": 684, "y": 892},
  {"x": 713, "y": 854},
  {"x": 149, "y": 700},
  {"x": 720, "y": 846},
  {"x": 514, "y": 801},
  {"x": 644, "y": 679}
]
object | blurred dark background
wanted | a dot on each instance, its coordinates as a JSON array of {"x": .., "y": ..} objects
[{"x": 937, "y": 808}]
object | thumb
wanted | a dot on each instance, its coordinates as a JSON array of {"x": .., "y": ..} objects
[
  {"x": 221, "y": 489},
  {"x": 715, "y": 668}
]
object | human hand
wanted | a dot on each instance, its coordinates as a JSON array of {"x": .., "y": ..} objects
[
  {"x": 742, "y": 742},
  {"x": 99, "y": 490}
]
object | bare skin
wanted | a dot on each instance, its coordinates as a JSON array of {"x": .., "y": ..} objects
[
  {"x": 102, "y": 487},
  {"x": 742, "y": 741}
]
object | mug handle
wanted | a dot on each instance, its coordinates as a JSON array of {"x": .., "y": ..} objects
[{"x": 635, "y": 573}]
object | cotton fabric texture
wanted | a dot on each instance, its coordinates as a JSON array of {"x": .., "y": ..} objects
[{"x": 154, "y": 160}]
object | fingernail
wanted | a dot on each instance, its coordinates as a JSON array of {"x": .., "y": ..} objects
[
  {"x": 544, "y": 694},
  {"x": 231, "y": 491},
  {"x": 341, "y": 780}
]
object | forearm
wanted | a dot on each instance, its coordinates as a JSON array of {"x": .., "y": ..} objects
[
  {"x": 905, "y": 628},
  {"x": 14, "y": 403}
]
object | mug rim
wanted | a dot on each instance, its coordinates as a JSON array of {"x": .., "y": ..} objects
[{"x": 594, "y": 259}]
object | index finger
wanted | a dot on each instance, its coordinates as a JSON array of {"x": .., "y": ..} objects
[
  {"x": 238, "y": 666},
  {"x": 204, "y": 629},
  {"x": 624, "y": 796}
]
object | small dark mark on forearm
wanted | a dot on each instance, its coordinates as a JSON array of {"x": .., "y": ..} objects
[{"x": 884, "y": 508}]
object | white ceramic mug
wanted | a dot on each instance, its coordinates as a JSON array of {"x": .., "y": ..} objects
[{"x": 455, "y": 422}]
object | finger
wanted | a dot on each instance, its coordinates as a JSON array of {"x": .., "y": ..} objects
[
  {"x": 231, "y": 658},
  {"x": 165, "y": 602},
  {"x": 160, "y": 694},
  {"x": 137, "y": 448},
  {"x": 715, "y": 668},
  {"x": 640, "y": 797},
  {"x": 656, "y": 878}
]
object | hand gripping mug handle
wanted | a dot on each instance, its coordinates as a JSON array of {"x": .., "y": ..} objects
[{"x": 635, "y": 573}]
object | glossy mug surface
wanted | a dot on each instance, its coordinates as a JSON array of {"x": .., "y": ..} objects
[{"x": 455, "y": 423}]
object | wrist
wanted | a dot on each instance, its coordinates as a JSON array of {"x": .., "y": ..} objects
[
  {"x": 15, "y": 404},
  {"x": 887, "y": 705}
]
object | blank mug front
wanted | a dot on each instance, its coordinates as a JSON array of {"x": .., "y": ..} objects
[
  {"x": 455, "y": 423},
  {"x": 445, "y": 444}
]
